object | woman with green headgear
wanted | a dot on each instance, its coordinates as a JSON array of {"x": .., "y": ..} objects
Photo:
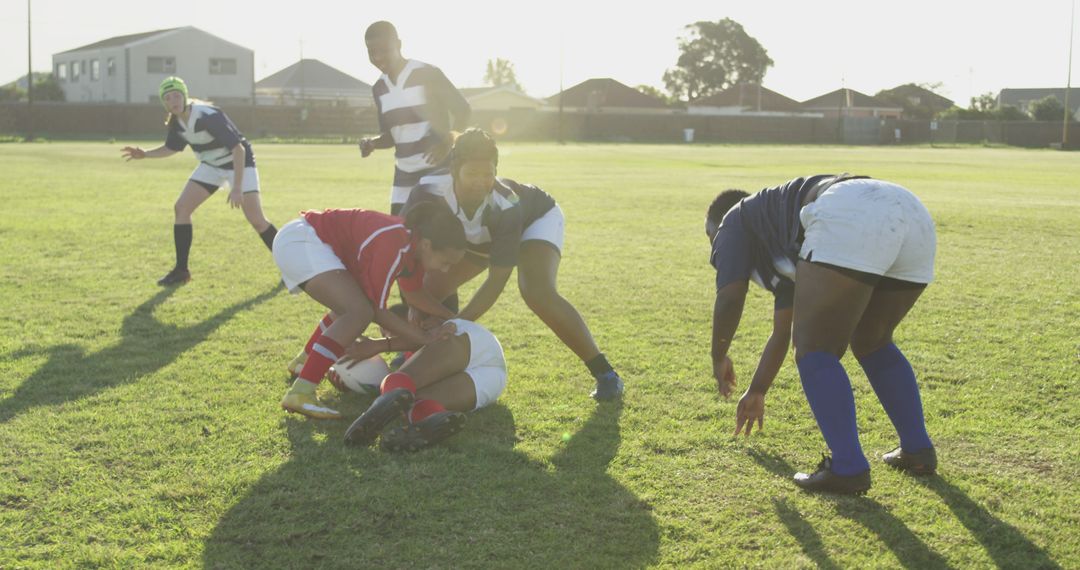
[{"x": 225, "y": 158}]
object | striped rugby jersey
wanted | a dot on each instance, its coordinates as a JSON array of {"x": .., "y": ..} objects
[
  {"x": 416, "y": 112},
  {"x": 211, "y": 135},
  {"x": 494, "y": 231}
]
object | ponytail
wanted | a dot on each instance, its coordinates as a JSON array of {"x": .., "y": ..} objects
[{"x": 435, "y": 222}]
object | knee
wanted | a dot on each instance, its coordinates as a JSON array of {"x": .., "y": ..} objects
[
  {"x": 181, "y": 211},
  {"x": 867, "y": 341},
  {"x": 538, "y": 297},
  {"x": 806, "y": 343}
]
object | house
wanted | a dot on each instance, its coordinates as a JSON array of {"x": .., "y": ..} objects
[
  {"x": 499, "y": 98},
  {"x": 918, "y": 102},
  {"x": 128, "y": 69},
  {"x": 1023, "y": 98},
  {"x": 747, "y": 99},
  {"x": 851, "y": 103},
  {"x": 607, "y": 95},
  {"x": 311, "y": 81}
]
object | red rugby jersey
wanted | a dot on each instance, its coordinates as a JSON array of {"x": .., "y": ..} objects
[{"x": 375, "y": 248}]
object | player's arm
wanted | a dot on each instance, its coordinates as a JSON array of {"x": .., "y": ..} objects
[
  {"x": 488, "y": 292},
  {"x": 727, "y": 311},
  {"x": 136, "y": 153},
  {"x": 751, "y": 406},
  {"x": 423, "y": 301},
  {"x": 239, "y": 156}
]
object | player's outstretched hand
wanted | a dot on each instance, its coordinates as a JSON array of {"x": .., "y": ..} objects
[
  {"x": 443, "y": 332},
  {"x": 129, "y": 153},
  {"x": 724, "y": 372},
  {"x": 367, "y": 146},
  {"x": 236, "y": 198},
  {"x": 751, "y": 407},
  {"x": 363, "y": 349}
]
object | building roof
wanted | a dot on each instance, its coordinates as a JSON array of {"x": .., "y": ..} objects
[
  {"x": 749, "y": 95},
  {"x": 119, "y": 40},
  {"x": 926, "y": 96},
  {"x": 845, "y": 98},
  {"x": 605, "y": 92},
  {"x": 313, "y": 74},
  {"x": 1015, "y": 96}
]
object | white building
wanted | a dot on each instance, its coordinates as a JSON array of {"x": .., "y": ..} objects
[{"x": 128, "y": 69}]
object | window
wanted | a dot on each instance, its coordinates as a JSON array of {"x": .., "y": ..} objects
[
  {"x": 95, "y": 70},
  {"x": 75, "y": 71},
  {"x": 110, "y": 66},
  {"x": 222, "y": 66},
  {"x": 161, "y": 64},
  {"x": 61, "y": 71}
]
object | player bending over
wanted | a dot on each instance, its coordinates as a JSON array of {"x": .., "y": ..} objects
[
  {"x": 508, "y": 224},
  {"x": 436, "y": 386},
  {"x": 348, "y": 260},
  {"x": 225, "y": 158},
  {"x": 846, "y": 257}
]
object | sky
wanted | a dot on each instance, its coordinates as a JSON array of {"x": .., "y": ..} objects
[{"x": 968, "y": 47}]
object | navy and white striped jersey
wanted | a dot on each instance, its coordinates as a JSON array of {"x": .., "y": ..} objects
[
  {"x": 494, "y": 230},
  {"x": 211, "y": 135},
  {"x": 416, "y": 112}
]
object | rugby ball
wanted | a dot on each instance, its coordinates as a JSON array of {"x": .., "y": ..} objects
[{"x": 364, "y": 376}]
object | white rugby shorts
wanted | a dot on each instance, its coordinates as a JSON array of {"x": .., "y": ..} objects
[
  {"x": 221, "y": 177},
  {"x": 871, "y": 226},
  {"x": 549, "y": 227},
  {"x": 487, "y": 364},
  {"x": 301, "y": 255}
]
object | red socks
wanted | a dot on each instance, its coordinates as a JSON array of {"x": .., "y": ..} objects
[
  {"x": 421, "y": 408},
  {"x": 323, "y": 325},
  {"x": 424, "y": 408},
  {"x": 324, "y": 353}
]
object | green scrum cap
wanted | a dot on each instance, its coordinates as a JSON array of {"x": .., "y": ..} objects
[{"x": 172, "y": 84}]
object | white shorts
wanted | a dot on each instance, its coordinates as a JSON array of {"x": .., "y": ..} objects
[
  {"x": 487, "y": 365},
  {"x": 220, "y": 177},
  {"x": 549, "y": 227},
  {"x": 301, "y": 255},
  {"x": 871, "y": 226}
]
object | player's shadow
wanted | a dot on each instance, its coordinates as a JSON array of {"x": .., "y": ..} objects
[
  {"x": 909, "y": 550},
  {"x": 146, "y": 345},
  {"x": 1005, "y": 544},
  {"x": 472, "y": 502}
]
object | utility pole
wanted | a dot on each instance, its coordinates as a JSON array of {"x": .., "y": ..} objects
[
  {"x": 1068, "y": 81},
  {"x": 29, "y": 79}
]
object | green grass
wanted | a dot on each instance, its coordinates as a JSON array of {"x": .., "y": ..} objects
[{"x": 140, "y": 426}]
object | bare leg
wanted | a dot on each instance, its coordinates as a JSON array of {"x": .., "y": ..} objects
[
  {"x": 442, "y": 285},
  {"x": 339, "y": 292},
  {"x": 191, "y": 197},
  {"x": 538, "y": 268},
  {"x": 252, "y": 207}
]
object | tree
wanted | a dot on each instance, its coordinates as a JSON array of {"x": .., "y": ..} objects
[
  {"x": 47, "y": 89},
  {"x": 984, "y": 103},
  {"x": 715, "y": 56},
  {"x": 501, "y": 72},
  {"x": 654, "y": 92},
  {"x": 1048, "y": 109},
  {"x": 11, "y": 93}
]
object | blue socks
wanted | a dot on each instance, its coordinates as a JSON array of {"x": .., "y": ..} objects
[
  {"x": 893, "y": 380},
  {"x": 828, "y": 390}
]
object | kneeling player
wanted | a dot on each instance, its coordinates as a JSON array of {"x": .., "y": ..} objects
[{"x": 435, "y": 387}]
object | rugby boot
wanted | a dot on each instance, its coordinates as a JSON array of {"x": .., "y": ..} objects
[
  {"x": 382, "y": 411},
  {"x": 424, "y": 433},
  {"x": 825, "y": 481},
  {"x": 609, "y": 387},
  {"x": 175, "y": 277},
  {"x": 923, "y": 462}
]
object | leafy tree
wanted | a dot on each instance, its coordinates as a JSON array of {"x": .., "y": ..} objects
[
  {"x": 715, "y": 56},
  {"x": 1048, "y": 109},
  {"x": 1010, "y": 113},
  {"x": 48, "y": 89},
  {"x": 11, "y": 93},
  {"x": 984, "y": 103},
  {"x": 501, "y": 72}
]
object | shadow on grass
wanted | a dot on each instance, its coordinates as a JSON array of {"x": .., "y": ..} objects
[
  {"x": 472, "y": 502},
  {"x": 1005, "y": 544},
  {"x": 146, "y": 345},
  {"x": 904, "y": 544}
]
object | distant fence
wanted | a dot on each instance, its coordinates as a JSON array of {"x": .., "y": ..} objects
[{"x": 59, "y": 120}]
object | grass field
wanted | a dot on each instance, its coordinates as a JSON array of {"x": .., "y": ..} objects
[{"x": 140, "y": 426}]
